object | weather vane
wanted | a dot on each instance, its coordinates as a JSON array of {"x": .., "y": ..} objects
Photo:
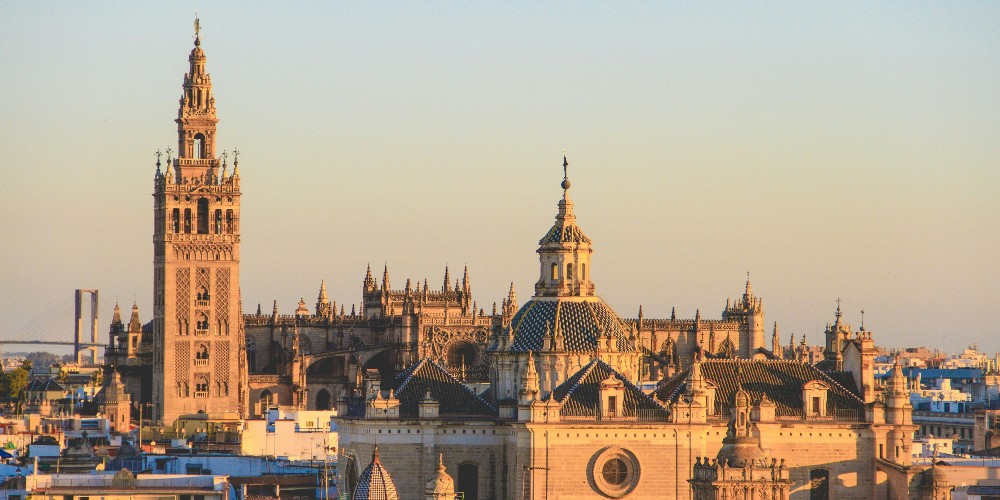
[{"x": 197, "y": 27}]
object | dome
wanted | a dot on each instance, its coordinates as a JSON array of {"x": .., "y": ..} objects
[
  {"x": 933, "y": 477},
  {"x": 375, "y": 483},
  {"x": 737, "y": 451},
  {"x": 580, "y": 322},
  {"x": 440, "y": 485}
]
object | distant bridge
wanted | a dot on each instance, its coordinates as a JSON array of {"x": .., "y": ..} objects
[
  {"x": 47, "y": 342},
  {"x": 52, "y": 324}
]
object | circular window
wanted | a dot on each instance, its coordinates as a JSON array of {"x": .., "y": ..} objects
[{"x": 614, "y": 472}]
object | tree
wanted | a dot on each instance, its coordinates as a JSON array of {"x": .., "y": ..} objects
[{"x": 13, "y": 382}]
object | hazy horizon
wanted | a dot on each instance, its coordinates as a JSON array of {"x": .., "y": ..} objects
[{"x": 832, "y": 150}]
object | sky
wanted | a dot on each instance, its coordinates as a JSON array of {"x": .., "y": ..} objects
[{"x": 832, "y": 149}]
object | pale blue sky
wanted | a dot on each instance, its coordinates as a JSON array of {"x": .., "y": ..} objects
[{"x": 833, "y": 149}]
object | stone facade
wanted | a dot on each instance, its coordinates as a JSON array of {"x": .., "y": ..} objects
[{"x": 198, "y": 359}]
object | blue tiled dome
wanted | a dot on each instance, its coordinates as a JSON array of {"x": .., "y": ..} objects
[
  {"x": 581, "y": 323},
  {"x": 374, "y": 483}
]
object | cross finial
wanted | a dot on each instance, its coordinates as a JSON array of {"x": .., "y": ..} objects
[
  {"x": 862, "y": 320},
  {"x": 223, "y": 155},
  {"x": 838, "y": 307},
  {"x": 168, "y": 154},
  {"x": 565, "y": 182},
  {"x": 236, "y": 155},
  {"x": 157, "y": 153}
]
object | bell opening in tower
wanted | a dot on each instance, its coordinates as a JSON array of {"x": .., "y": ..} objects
[{"x": 198, "y": 147}]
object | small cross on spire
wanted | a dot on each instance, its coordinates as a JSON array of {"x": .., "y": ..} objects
[{"x": 565, "y": 182}]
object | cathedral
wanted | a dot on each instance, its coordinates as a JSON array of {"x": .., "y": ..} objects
[{"x": 558, "y": 397}]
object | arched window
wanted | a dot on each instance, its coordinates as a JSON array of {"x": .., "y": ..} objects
[
  {"x": 229, "y": 222},
  {"x": 187, "y": 220},
  {"x": 819, "y": 484},
  {"x": 198, "y": 146},
  {"x": 266, "y": 400},
  {"x": 323, "y": 400},
  {"x": 218, "y": 222},
  {"x": 202, "y": 215},
  {"x": 176, "y": 220},
  {"x": 569, "y": 271},
  {"x": 555, "y": 271},
  {"x": 201, "y": 355}
]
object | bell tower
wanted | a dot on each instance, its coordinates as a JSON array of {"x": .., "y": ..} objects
[{"x": 199, "y": 361}]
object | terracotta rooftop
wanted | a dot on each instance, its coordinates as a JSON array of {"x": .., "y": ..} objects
[
  {"x": 454, "y": 398},
  {"x": 579, "y": 394},
  {"x": 781, "y": 381}
]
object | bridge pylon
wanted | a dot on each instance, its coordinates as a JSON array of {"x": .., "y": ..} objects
[{"x": 80, "y": 352}]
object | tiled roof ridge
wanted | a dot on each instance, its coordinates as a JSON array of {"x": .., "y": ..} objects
[
  {"x": 522, "y": 313},
  {"x": 448, "y": 375},
  {"x": 589, "y": 368},
  {"x": 409, "y": 374},
  {"x": 832, "y": 381},
  {"x": 823, "y": 375},
  {"x": 579, "y": 375},
  {"x": 597, "y": 321}
]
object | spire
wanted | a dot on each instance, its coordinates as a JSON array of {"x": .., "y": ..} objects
[
  {"x": 322, "y": 298},
  {"x": 565, "y": 182},
  {"x": 169, "y": 176},
  {"x": 236, "y": 164},
  {"x": 748, "y": 292},
  {"x": 117, "y": 316},
  {"x": 196, "y": 118},
  {"x": 465, "y": 280},
  {"x": 323, "y": 301},
  {"x": 369, "y": 282},
  {"x": 564, "y": 252},
  {"x": 134, "y": 325},
  {"x": 385, "y": 278},
  {"x": 775, "y": 343},
  {"x": 447, "y": 280},
  {"x": 511, "y": 296}
]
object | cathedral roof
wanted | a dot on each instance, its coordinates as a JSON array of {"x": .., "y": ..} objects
[
  {"x": 580, "y": 322},
  {"x": 452, "y": 396},
  {"x": 780, "y": 381},
  {"x": 375, "y": 483},
  {"x": 579, "y": 394}
]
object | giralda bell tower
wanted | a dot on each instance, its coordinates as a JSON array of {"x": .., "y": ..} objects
[{"x": 199, "y": 360}]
